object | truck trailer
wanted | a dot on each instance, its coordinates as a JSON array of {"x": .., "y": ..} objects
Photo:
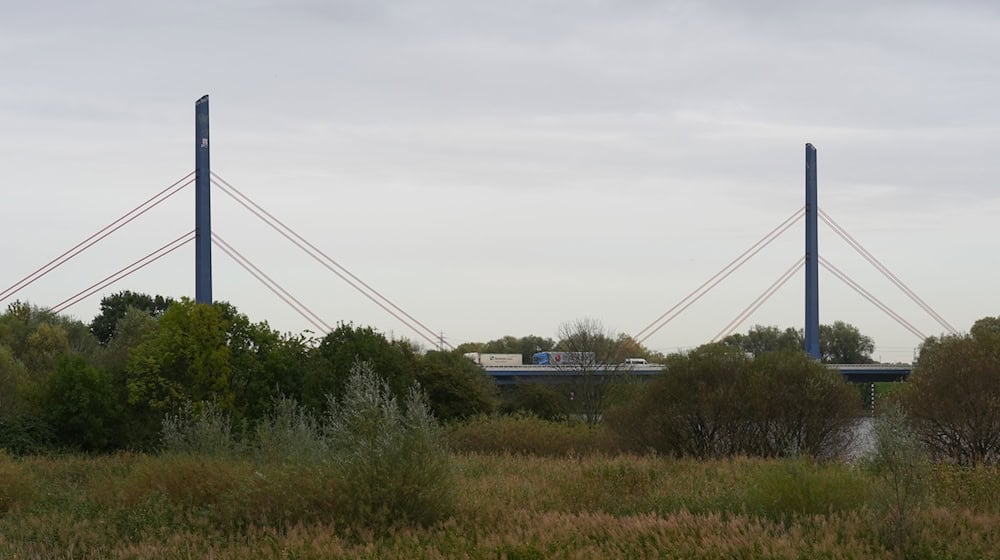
[{"x": 487, "y": 359}]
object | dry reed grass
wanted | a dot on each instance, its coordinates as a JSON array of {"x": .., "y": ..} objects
[{"x": 509, "y": 506}]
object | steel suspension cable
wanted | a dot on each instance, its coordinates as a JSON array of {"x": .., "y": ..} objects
[
  {"x": 851, "y": 283},
  {"x": 857, "y": 246},
  {"x": 271, "y": 284},
  {"x": 316, "y": 253},
  {"x": 124, "y": 272},
  {"x": 319, "y": 328},
  {"x": 761, "y": 299},
  {"x": 718, "y": 277},
  {"x": 98, "y": 236}
]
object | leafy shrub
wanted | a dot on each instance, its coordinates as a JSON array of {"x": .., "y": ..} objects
[
  {"x": 792, "y": 404},
  {"x": 901, "y": 464},
  {"x": 80, "y": 403},
  {"x": 716, "y": 402},
  {"x": 199, "y": 430},
  {"x": 953, "y": 396},
  {"x": 529, "y": 435},
  {"x": 535, "y": 399},
  {"x": 391, "y": 460},
  {"x": 290, "y": 433},
  {"x": 456, "y": 388},
  {"x": 692, "y": 409},
  {"x": 25, "y": 435},
  {"x": 332, "y": 362}
]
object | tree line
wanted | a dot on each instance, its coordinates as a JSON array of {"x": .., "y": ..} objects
[{"x": 108, "y": 384}]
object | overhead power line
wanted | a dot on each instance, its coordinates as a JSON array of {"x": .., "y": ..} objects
[
  {"x": 734, "y": 265},
  {"x": 270, "y": 284},
  {"x": 330, "y": 264},
  {"x": 99, "y": 235}
]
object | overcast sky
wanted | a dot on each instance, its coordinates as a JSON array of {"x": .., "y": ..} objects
[{"x": 503, "y": 167}]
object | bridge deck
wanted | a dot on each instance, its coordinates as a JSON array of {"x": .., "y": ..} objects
[{"x": 506, "y": 375}]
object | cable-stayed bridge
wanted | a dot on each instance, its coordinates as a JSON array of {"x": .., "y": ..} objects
[{"x": 203, "y": 179}]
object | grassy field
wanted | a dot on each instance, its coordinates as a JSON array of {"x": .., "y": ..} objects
[{"x": 506, "y": 506}]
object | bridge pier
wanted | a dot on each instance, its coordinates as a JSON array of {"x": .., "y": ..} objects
[
  {"x": 812, "y": 258},
  {"x": 202, "y": 206}
]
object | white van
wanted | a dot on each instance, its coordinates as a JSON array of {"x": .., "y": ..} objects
[{"x": 635, "y": 361}]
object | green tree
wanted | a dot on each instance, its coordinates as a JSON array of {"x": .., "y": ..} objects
[
  {"x": 330, "y": 363},
  {"x": 264, "y": 364},
  {"x": 16, "y": 324},
  {"x": 186, "y": 359},
  {"x": 792, "y": 404},
  {"x": 986, "y": 328},
  {"x": 760, "y": 339},
  {"x": 456, "y": 388},
  {"x": 13, "y": 380},
  {"x": 526, "y": 346},
  {"x": 716, "y": 401},
  {"x": 39, "y": 338},
  {"x": 595, "y": 365},
  {"x": 953, "y": 395},
  {"x": 43, "y": 349},
  {"x": 843, "y": 343},
  {"x": 132, "y": 329},
  {"x": 114, "y": 307},
  {"x": 692, "y": 409},
  {"x": 80, "y": 406},
  {"x": 539, "y": 400}
]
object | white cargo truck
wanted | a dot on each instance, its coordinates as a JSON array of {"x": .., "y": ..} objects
[{"x": 486, "y": 359}]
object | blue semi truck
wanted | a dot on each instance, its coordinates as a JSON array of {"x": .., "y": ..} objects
[{"x": 568, "y": 359}]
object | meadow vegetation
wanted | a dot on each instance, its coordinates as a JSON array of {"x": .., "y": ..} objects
[
  {"x": 176, "y": 430},
  {"x": 504, "y": 506}
]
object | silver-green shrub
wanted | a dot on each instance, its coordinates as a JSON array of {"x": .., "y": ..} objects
[
  {"x": 900, "y": 462},
  {"x": 391, "y": 460},
  {"x": 289, "y": 433},
  {"x": 199, "y": 430}
]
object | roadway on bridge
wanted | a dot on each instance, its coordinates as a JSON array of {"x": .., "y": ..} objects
[{"x": 508, "y": 375}]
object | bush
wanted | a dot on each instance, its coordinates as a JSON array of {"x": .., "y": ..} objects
[
  {"x": 199, "y": 430},
  {"x": 25, "y": 435},
  {"x": 692, "y": 409},
  {"x": 391, "y": 460},
  {"x": 716, "y": 402},
  {"x": 535, "y": 399},
  {"x": 332, "y": 362},
  {"x": 793, "y": 404},
  {"x": 290, "y": 433},
  {"x": 80, "y": 404},
  {"x": 900, "y": 462},
  {"x": 456, "y": 387},
  {"x": 953, "y": 397}
]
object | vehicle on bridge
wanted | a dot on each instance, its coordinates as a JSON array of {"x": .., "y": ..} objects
[
  {"x": 566, "y": 359},
  {"x": 488, "y": 359}
]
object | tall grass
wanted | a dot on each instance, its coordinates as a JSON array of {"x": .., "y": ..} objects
[
  {"x": 528, "y": 434},
  {"x": 514, "y": 506}
]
